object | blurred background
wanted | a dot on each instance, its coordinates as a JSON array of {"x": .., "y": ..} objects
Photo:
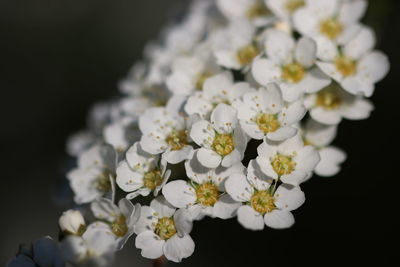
[{"x": 57, "y": 57}]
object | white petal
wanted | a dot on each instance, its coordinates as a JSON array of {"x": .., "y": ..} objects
[
  {"x": 232, "y": 158},
  {"x": 363, "y": 42},
  {"x": 373, "y": 67},
  {"x": 279, "y": 46},
  {"x": 256, "y": 177},
  {"x": 223, "y": 118},
  {"x": 226, "y": 207},
  {"x": 198, "y": 105},
  {"x": 307, "y": 158},
  {"x": 326, "y": 49},
  {"x": 305, "y": 21},
  {"x": 306, "y": 52},
  {"x": 271, "y": 98},
  {"x": 127, "y": 179},
  {"x": 177, "y": 248},
  {"x": 293, "y": 113},
  {"x": 357, "y": 110},
  {"x": 179, "y": 193},
  {"x": 208, "y": 158},
  {"x": 238, "y": 187},
  {"x": 315, "y": 80},
  {"x": 279, "y": 219},
  {"x": 162, "y": 207},
  {"x": 104, "y": 209},
  {"x": 352, "y": 11},
  {"x": 153, "y": 143},
  {"x": 150, "y": 244},
  {"x": 183, "y": 222},
  {"x": 330, "y": 117},
  {"x": 249, "y": 218},
  {"x": 282, "y": 133},
  {"x": 265, "y": 71},
  {"x": 147, "y": 220},
  {"x": 202, "y": 133},
  {"x": 177, "y": 156},
  {"x": 331, "y": 158},
  {"x": 289, "y": 197},
  {"x": 330, "y": 69}
]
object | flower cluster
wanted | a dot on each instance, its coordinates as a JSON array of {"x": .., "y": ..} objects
[{"x": 227, "y": 115}]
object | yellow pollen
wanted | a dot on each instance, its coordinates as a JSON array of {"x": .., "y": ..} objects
[
  {"x": 282, "y": 164},
  {"x": 293, "y": 72},
  {"x": 201, "y": 78},
  {"x": 152, "y": 179},
  {"x": 331, "y": 28},
  {"x": 346, "y": 66},
  {"x": 177, "y": 139},
  {"x": 267, "y": 123},
  {"x": 223, "y": 144},
  {"x": 207, "y": 194},
  {"x": 119, "y": 227},
  {"x": 103, "y": 181},
  {"x": 165, "y": 228},
  {"x": 247, "y": 53},
  {"x": 328, "y": 98},
  {"x": 257, "y": 10},
  {"x": 293, "y": 5},
  {"x": 262, "y": 202},
  {"x": 307, "y": 142}
]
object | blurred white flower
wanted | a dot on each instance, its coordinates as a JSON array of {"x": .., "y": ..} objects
[{"x": 72, "y": 222}]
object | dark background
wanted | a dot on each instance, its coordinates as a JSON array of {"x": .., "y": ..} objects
[{"x": 57, "y": 57}]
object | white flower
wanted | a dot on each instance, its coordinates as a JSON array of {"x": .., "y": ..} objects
[
  {"x": 263, "y": 203},
  {"x": 219, "y": 88},
  {"x": 94, "y": 176},
  {"x": 121, "y": 133},
  {"x": 95, "y": 248},
  {"x": 262, "y": 113},
  {"x": 43, "y": 252},
  {"x": 141, "y": 173},
  {"x": 204, "y": 193},
  {"x": 188, "y": 73},
  {"x": 321, "y": 136},
  {"x": 252, "y": 10},
  {"x": 289, "y": 64},
  {"x": 355, "y": 66},
  {"x": 72, "y": 222},
  {"x": 332, "y": 103},
  {"x": 118, "y": 221},
  {"x": 329, "y": 22},
  {"x": 165, "y": 132},
  {"x": 290, "y": 161},
  {"x": 161, "y": 230},
  {"x": 234, "y": 47},
  {"x": 79, "y": 142},
  {"x": 222, "y": 141},
  {"x": 284, "y": 9}
]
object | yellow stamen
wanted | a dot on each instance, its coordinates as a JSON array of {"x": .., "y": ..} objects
[
  {"x": 165, "y": 228},
  {"x": 177, "y": 139},
  {"x": 293, "y": 72},
  {"x": 267, "y": 123},
  {"x": 283, "y": 164},
  {"x": 262, "y": 202},
  {"x": 223, "y": 144},
  {"x": 247, "y": 53},
  {"x": 207, "y": 194},
  {"x": 331, "y": 28}
]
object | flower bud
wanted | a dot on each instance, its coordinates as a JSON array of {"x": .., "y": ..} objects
[{"x": 72, "y": 222}]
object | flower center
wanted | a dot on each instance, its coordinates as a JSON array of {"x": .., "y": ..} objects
[
  {"x": 223, "y": 144},
  {"x": 119, "y": 227},
  {"x": 328, "y": 99},
  {"x": 201, "y": 78},
  {"x": 331, "y": 28},
  {"x": 247, "y": 53},
  {"x": 257, "y": 10},
  {"x": 165, "y": 228},
  {"x": 267, "y": 123},
  {"x": 103, "y": 181},
  {"x": 346, "y": 66},
  {"x": 293, "y": 72},
  {"x": 207, "y": 194},
  {"x": 262, "y": 202},
  {"x": 152, "y": 179},
  {"x": 177, "y": 139},
  {"x": 283, "y": 164},
  {"x": 293, "y": 5}
]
